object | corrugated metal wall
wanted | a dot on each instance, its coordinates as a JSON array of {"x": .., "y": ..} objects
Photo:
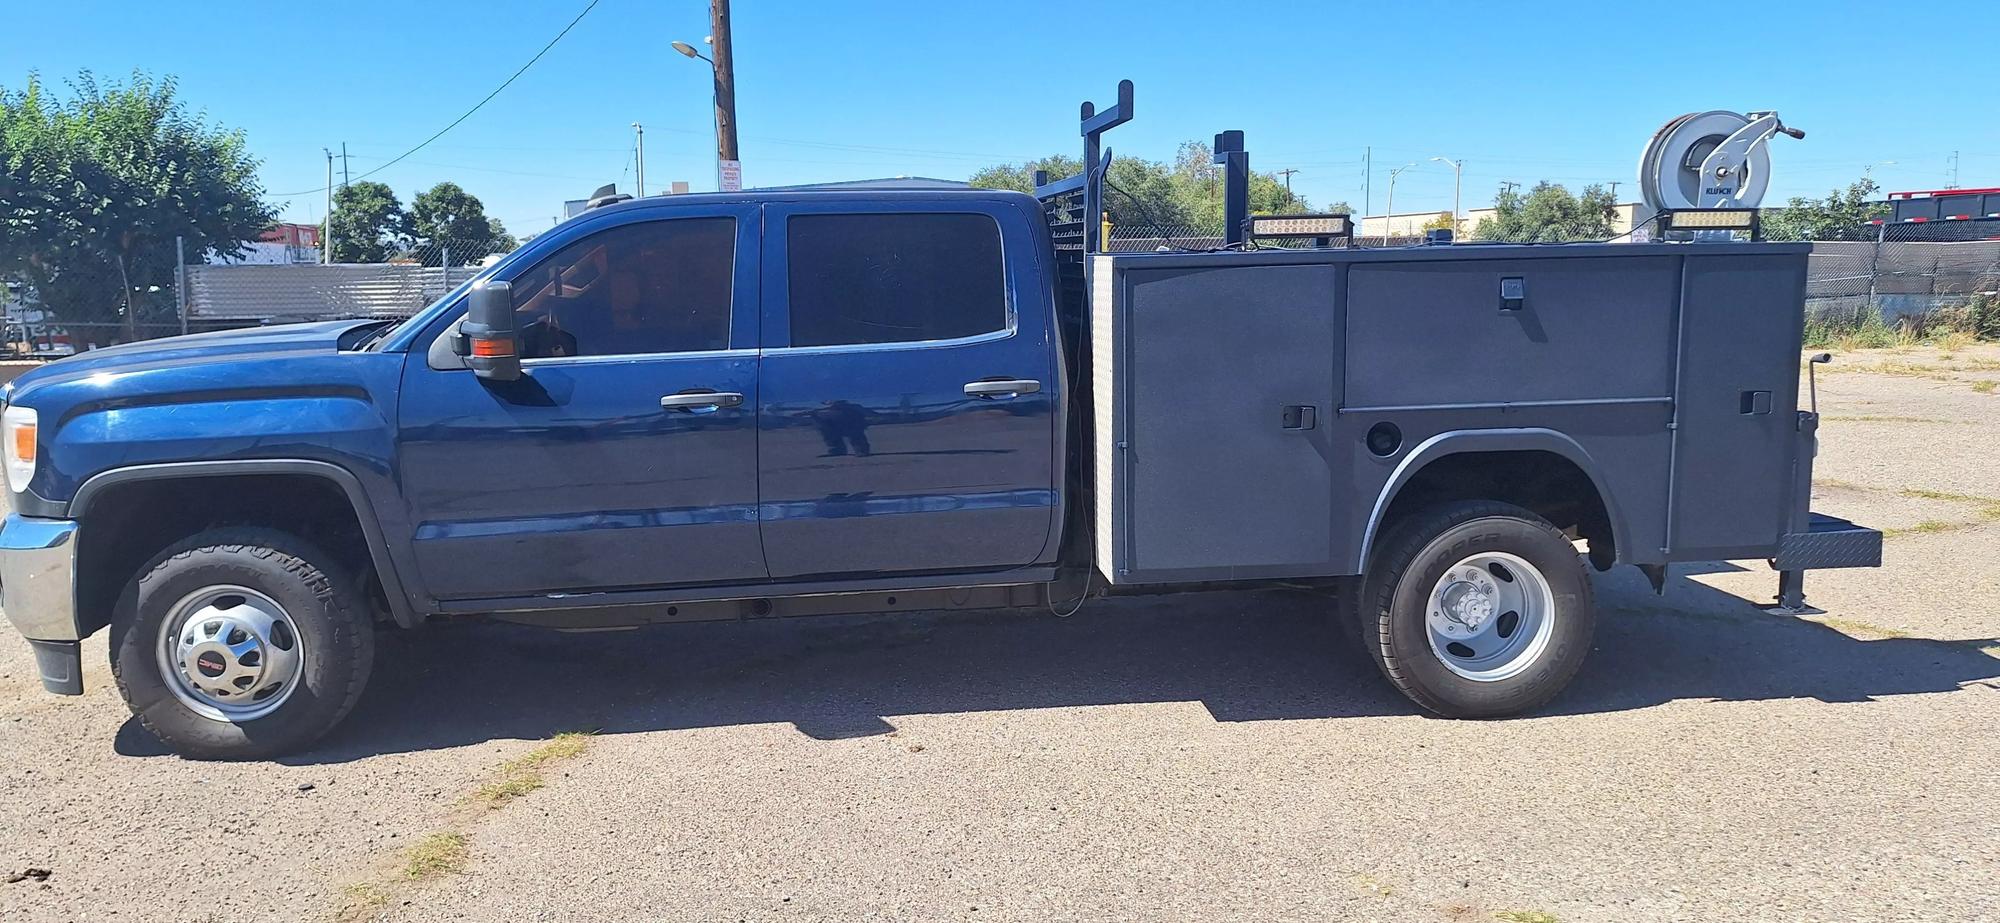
[{"x": 311, "y": 291}]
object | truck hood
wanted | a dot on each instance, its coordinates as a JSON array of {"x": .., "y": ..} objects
[{"x": 322, "y": 337}]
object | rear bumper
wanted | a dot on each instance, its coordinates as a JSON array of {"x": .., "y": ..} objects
[
  {"x": 38, "y": 591},
  {"x": 1828, "y": 542}
]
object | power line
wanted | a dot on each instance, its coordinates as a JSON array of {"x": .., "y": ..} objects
[{"x": 476, "y": 106}]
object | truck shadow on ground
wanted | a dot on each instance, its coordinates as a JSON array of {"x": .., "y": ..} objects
[{"x": 1246, "y": 656}]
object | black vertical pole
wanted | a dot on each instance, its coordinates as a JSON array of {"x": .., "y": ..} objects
[
  {"x": 1235, "y": 185},
  {"x": 1093, "y": 216}
]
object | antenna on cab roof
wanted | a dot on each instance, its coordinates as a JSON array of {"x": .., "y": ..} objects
[{"x": 606, "y": 194}]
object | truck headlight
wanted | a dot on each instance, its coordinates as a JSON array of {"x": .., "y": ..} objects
[{"x": 18, "y": 427}]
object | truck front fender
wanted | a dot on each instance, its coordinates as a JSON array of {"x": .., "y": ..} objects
[{"x": 400, "y": 604}]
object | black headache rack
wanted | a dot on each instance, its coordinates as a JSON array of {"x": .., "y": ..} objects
[{"x": 1074, "y": 205}]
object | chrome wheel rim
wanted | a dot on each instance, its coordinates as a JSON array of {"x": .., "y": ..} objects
[
  {"x": 230, "y": 653},
  {"x": 1490, "y": 616}
]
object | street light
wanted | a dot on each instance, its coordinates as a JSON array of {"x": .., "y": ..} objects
[
  {"x": 723, "y": 69},
  {"x": 693, "y": 52},
  {"x": 1457, "y": 174},
  {"x": 1389, "y": 216}
]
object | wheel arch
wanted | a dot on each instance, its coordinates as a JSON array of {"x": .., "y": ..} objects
[
  {"x": 106, "y": 483},
  {"x": 1519, "y": 442}
]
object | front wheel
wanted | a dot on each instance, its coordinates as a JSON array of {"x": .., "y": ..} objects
[
  {"x": 241, "y": 643},
  {"x": 1477, "y": 609}
]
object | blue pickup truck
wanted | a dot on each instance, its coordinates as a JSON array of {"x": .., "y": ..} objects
[{"x": 794, "y": 403}]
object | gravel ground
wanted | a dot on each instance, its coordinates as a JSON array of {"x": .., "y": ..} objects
[{"x": 1220, "y": 756}]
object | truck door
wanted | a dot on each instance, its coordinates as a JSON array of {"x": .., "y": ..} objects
[
  {"x": 909, "y": 390},
  {"x": 626, "y": 455}
]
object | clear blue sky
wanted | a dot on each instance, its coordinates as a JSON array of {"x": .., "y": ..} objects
[{"x": 1567, "y": 92}]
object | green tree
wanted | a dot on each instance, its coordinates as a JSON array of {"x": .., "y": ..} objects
[
  {"x": 94, "y": 188},
  {"x": 446, "y": 216},
  {"x": 1548, "y": 213},
  {"x": 1021, "y": 177},
  {"x": 1843, "y": 215},
  {"x": 369, "y": 225},
  {"x": 1184, "y": 194},
  {"x": 1197, "y": 181},
  {"x": 1137, "y": 191}
]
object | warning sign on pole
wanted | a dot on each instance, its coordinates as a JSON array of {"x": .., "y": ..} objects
[{"x": 732, "y": 176}]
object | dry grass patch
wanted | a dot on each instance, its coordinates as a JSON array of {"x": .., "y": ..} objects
[
  {"x": 1989, "y": 510},
  {"x": 1852, "y": 627},
  {"x": 447, "y": 851},
  {"x": 1927, "y": 527},
  {"x": 1986, "y": 386},
  {"x": 1882, "y": 418},
  {"x": 1925, "y": 493},
  {"x": 1369, "y": 884},
  {"x": 441, "y": 853},
  {"x": 523, "y": 774},
  {"x": 363, "y": 900},
  {"x": 1525, "y": 916}
]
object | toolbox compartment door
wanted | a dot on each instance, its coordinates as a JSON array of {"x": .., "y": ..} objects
[
  {"x": 1436, "y": 332},
  {"x": 1221, "y": 393},
  {"x": 1736, "y": 404}
]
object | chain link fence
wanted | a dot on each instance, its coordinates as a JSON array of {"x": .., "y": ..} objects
[
  {"x": 228, "y": 295},
  {"x": 1896, "y": 270},
  {"x": 398, "y": 285},
  {"x": 1903, "y": 275},
  {"x": 1906, "y": 271}
]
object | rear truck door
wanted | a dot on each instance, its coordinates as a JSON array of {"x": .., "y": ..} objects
[
  {"x": 625, "y": 456},
  {"x": 908, "y": 415}
]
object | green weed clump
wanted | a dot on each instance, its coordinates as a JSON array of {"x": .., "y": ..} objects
[{"x": 1949, "y": 327}]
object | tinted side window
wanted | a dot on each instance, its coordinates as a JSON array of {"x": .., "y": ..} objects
[
  {"x": 894, "y": 278},
  {"x": 653, "y": 287}
]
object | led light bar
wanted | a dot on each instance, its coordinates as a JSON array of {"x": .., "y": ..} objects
[
  {"x": 1712, "y": 219},
  {"x": 1301, "y": 226}
]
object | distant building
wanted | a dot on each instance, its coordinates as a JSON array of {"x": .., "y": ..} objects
[
  {"x": 575, "y": 207},
  {"x": 1411, "y": 224},
  {"x": 278, "y": 245},
  {"x": 887, "y": 182}
]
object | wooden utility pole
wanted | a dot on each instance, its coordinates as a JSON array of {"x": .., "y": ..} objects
[
  {"x": 326, "y": 229},
  {"x": 639, "y": 155},
  {"x": 725, "y": 84},
  {"x": 1287, "y": 174}
]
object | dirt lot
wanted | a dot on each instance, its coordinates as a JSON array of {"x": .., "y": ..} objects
[{"x": 1216, "y": 757}]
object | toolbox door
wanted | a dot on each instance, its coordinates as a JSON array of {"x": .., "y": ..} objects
[
  {"x": 1224, "y": 383},
  {"x": 1736, "y": 404}
]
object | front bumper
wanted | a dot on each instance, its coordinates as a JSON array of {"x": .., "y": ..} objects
[{"x": 38, "y": 591}]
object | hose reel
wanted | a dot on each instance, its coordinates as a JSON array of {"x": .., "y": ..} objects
[{"x": 1714, "y": 159}]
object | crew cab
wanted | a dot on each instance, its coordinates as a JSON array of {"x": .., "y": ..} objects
[{"x": 790, "y": 403}]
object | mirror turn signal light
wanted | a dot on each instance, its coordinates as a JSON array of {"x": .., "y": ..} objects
[{"x": 492, "y": 347}]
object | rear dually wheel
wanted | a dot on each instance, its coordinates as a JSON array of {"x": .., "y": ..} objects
[{"x": 1477, "y": 609}]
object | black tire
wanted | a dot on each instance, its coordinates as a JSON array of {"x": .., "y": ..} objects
[
  {"x": 1408, "y": 564},
  {"x": 326, "y": 610}
]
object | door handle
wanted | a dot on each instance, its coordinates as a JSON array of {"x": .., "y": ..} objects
[
  {"x": 701, "y": 401},
  {"x": 1002, "y": 390}
]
